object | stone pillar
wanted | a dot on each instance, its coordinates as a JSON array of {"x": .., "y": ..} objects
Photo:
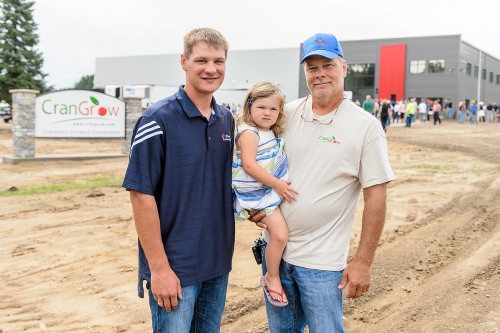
[
  {"x": 133, "y": 111},
  {"x": 23, "y": 118}
]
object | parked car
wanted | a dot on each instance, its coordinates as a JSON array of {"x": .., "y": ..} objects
[{"x": 6, "y": 114}]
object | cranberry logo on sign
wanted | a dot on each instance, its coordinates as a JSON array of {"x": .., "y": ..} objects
[
  {"x": 102, "y": 110},
  {"x": 82, "y": 108}
]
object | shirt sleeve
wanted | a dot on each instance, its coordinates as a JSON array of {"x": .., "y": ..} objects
[
  {"x": 147, "y": 155},
  {"x": 375, "y": 167}
]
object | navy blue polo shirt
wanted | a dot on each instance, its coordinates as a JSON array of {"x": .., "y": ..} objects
[{"x": 184, "y": 161}]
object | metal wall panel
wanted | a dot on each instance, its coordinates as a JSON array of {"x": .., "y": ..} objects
[{"x": 468, "y": 84}]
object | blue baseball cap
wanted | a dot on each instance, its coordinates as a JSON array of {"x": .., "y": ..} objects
[{"x": 325, "y": 45}]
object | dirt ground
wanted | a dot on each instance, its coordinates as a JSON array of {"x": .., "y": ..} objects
[{"x": 68, "y": 259}]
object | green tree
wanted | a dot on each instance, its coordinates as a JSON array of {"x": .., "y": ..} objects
[
  {"x": 86, "y": 82},
  {"x": 20, "y": 62}
]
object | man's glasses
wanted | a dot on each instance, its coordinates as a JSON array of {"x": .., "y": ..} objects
[{"x": 317, "y": 121}]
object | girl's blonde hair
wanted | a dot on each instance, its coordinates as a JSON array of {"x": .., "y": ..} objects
[{"x": 263, "y": 90}]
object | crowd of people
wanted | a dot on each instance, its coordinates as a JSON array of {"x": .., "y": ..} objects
[
  {"x": 478, "y": 113},
  {"x": 430, "y": 110},
  {"x": 234, "y": 108}
]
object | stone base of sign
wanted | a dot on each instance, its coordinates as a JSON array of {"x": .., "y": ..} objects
[{"x": 23, "y": 117}]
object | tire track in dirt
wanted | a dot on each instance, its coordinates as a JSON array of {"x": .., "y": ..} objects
[
  {"x": 420, "y": 268},
  {"x": 420, "y": 289}
]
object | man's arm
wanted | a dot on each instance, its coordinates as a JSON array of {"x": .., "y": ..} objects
[
  {"x": 357, "y": 273},
  {"x": 165, "y": 285}
]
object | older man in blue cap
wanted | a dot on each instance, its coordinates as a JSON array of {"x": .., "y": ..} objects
[{"x": 334, "y": 150}]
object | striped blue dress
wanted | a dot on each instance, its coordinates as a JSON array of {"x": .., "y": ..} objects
[{"x": 249, "y": 193}]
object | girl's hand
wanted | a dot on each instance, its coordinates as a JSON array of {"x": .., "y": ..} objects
[{"x": 285, "y": 191}]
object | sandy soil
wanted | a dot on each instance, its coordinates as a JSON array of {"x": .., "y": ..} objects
[{"x": 68, "y": 259}]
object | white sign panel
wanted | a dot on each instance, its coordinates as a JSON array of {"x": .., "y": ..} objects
[{"x": 79, "y": 114}]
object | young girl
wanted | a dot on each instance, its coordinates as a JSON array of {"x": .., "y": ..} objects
[{"x": 260, "y": 175}]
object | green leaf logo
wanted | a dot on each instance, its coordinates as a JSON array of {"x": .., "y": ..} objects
[{"x": 94, "y": 100}]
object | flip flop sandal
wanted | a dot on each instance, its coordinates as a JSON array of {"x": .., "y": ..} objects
[{"x": 268, "y": 293}]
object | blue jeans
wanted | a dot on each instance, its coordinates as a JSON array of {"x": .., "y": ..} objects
[
  {"x": 449, "y": 113},
  {"x": 409, "y": 119},
  {"x": 313, "y": 300},
  {"x": 199, "y": 310}
]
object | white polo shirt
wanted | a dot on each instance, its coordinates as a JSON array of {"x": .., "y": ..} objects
[{"x": 328, "y": 165}]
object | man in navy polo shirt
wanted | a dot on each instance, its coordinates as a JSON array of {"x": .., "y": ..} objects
[{"x": 179, "y": 178}]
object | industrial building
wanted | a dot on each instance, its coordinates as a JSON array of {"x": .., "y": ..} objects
[{"x": 394, "y": 68}]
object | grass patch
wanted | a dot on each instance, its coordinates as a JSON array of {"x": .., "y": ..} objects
[
  {"x": 433, "y": 168},
  {"x": 92, "y": 183}
]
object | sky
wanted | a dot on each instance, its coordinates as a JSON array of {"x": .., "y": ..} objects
[{"x": 73, "y": 33}]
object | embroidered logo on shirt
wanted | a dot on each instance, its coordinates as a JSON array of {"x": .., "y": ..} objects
[
  {"x": 331, "y": 139},
  {"x": 226, "y": 137}
]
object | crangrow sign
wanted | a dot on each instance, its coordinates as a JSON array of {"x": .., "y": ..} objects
[{"x": 79, "y": 114}]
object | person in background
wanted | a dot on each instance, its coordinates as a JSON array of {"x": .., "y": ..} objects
[
  {"x": 396, "y": 113},
  {"x": 402, "y": 110},
  {"x": 260, "y": 175},
  {"x": 436, "y": 110},
  {"x": 410, "y": 111},
  {"x": 368, "y": 104},
  {"x": 481, "y": 113},
  {"x": 448, "y": 106},
  {"x": 179, "y": 178},
  {"x": 490, "y": 113},
  {"x": 384, "y": 113},
  {"x": 430, "y": 110},
  {"x": 322, "y": 128},
  {"x": 376, "y": 108},
  {"x": 422, "y": 110},
  {"x": 461, "y": 111},
  {"x": 237, "y": 110},
  {"x": 473, "y": 112}
]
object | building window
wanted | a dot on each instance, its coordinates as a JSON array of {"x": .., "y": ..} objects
[
  {"x": 491, "y": 77},
  {"x": 468, "y": 69},
  {"x": 476, "y": 71},
  {"x": 436, "y": 66},
  {"x": 483, "y": 74},
  {"x": 498, "y": 79},
  {"x": 417, "y": 66},
  {"x": 360, "y": 80}
]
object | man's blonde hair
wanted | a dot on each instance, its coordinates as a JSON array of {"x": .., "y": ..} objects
[{"x": 208, "y": 35}]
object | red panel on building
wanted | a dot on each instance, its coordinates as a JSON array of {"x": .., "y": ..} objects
[{"x": 392, "y": 72}]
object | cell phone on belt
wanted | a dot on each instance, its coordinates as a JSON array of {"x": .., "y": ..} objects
[{"x": 256, "y": 249}]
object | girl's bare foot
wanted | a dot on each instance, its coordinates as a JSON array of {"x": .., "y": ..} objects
[{"x": 275, "y": 288}]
